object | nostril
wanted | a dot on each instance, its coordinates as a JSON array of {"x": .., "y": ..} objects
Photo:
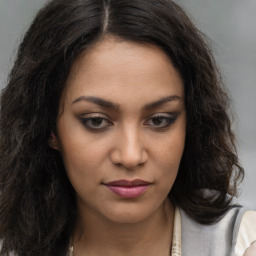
[
  {"x": 127, "y": 161},
  {"x": 128, "y": 150}
]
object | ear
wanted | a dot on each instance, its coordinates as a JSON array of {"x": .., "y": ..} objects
[{"x": 53, "y": 142}]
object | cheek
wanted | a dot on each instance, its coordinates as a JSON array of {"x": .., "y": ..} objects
[
  {"x": 79, "y": 149},
  {"x": 168, "y": 155},
  {"x": 83, "y": 169},
  {"x": 81, "y": 160},
  {"x": 170, "y": 151}
]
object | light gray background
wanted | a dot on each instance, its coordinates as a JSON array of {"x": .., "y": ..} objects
[{"x": 230, "y": 24}]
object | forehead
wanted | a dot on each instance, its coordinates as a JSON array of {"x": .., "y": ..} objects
[{"x": 119, "y": 69}]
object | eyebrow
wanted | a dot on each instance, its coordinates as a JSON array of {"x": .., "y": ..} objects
[
  {"x": 161, "y": 102},
  {"x": 98, "y": 101},
  {"x": 108, "y": 104}
]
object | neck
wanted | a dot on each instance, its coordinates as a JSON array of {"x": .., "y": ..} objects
[{"x": 97, "y": 236}]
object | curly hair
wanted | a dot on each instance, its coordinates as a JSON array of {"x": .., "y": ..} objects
[{"x": 37, "y": 201}]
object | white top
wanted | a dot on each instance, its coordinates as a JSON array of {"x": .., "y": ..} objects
[
  {"x": 246, "y": 234},
  {"x": 176, "y": 238}
]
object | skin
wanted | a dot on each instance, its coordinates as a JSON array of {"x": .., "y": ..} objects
[
  {"x": 251, "y": 251},
  {"x": 126, "y": 141}
]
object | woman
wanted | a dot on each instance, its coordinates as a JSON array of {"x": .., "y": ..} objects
[{"x": 115, "y": 137}]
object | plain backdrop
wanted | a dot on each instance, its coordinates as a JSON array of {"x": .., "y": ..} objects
[{"x": 230, "y": 26}]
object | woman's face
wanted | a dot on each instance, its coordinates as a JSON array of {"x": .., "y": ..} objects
[{"x": 121, "y": 130}]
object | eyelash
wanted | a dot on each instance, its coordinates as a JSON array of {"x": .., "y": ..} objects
[
  {"x": 169, "y": 120},
  {"x": 85, "y": 122}
]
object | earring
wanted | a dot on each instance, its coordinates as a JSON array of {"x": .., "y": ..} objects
[{"x": 53, "y": 135}]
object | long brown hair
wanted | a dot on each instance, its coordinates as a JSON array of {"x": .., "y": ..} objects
[{"x": 37, "y": 201}]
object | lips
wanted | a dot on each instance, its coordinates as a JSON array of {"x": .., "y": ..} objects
[
  {"x": 128, "y": 189},
  {"x": 127, "y": 183}
]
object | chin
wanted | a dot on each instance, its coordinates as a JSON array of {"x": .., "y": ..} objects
[{"x": 129, "y": 215}]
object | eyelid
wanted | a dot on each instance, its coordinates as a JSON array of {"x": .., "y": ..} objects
[
  {"x": 164, "y": 115},
  {"x": 91, "y": 116},
  {"x": 94, "y": 114},
  {"x": 169, "y": 117}
]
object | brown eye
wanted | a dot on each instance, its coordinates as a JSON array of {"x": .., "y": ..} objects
[
  {"x": 157, "y": 121},
  {"x": 162, "y": 121},
  {"x": 96, "y": 123}
]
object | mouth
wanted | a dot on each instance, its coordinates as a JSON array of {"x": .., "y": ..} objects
[{"x": 128, "y": 189}]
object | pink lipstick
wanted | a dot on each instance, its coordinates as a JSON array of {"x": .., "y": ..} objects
[{"x": 128, "y": 189}]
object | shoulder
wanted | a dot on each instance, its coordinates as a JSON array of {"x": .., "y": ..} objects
[
  {"x": 216, "y": 239},
  {"x": 246, "y": 232}
]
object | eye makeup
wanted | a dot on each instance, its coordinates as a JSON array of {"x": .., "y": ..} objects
[
  {"x": 162, "y": 120},
  {"x": 98, "y": 123}
]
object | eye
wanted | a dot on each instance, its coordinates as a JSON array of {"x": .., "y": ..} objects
[
  {"x": 96, "y": 123},
  {"x": 161, "y": 120}
]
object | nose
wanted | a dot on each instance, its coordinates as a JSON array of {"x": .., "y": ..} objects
[{"x": 129, "y": 151}]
